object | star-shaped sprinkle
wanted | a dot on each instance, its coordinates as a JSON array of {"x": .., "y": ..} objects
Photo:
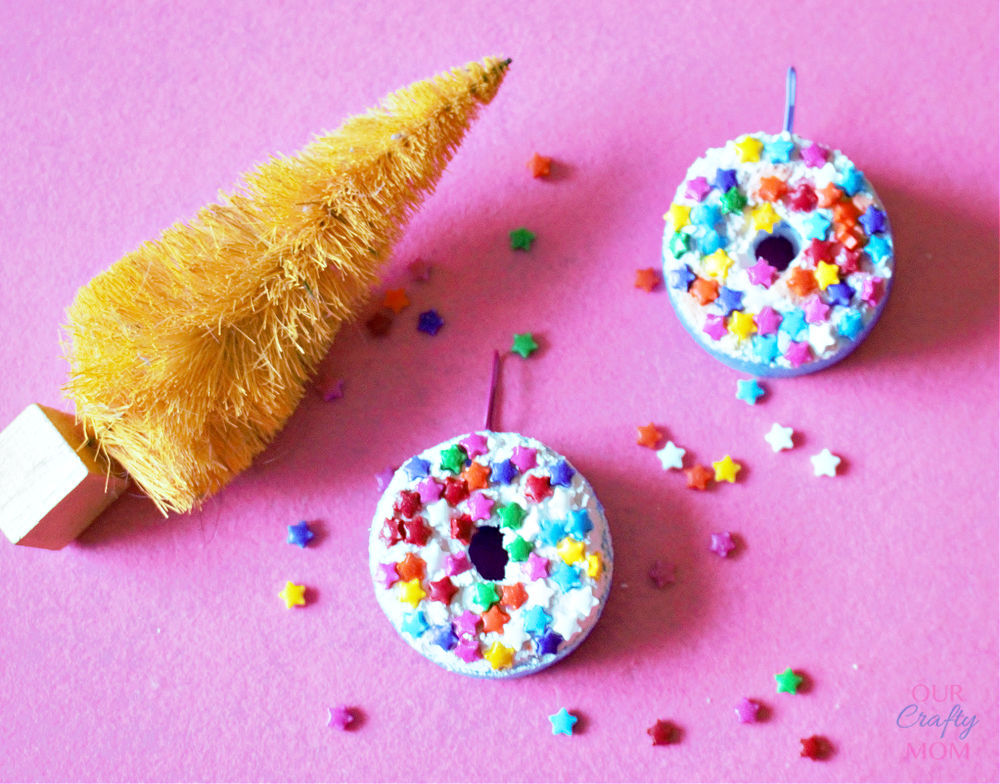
[
  {"x": 749, "y": 148},
  {"x": 539, "y": 165},
  {"x": 392, "y": 531},
  {"x": 746, "y": 711},
  {"x": 679, "y": 216},
  {"x": 817, "y": 225},
  {"x": 467, "y": 623},
  {"x": 730, "y": 300},
  {"x": 697, "y": 188},
  {"x": 475, "y": 444},
  {"x": 698, "y": 477},
  {"x": 840, "y": 294},
  {"x": 383, "y": 477},
  {"x": 411, "y": 567},
  {"x": 578, "y": 523},
  {"x": 801, "y": 281},
  {"x": 562, "y": 722},
  {"x": 595, "y": 565},
  {"x": 414, "y": 624},
  {"x": 802, "y": 197},
  {"x": 535, "y": 621},
  {"x": 649, "y": 436},
  {"x": 537, "y": 567},
  {"x": 561, "y": 474},
  {"x": 540, "y": 592},
  {"x": 662, "y": 732},
  {"x": 764, "y": 217},
  {"x": 793, "y": 323},
  {"x": 847, "y": 260},
  {"x": 710, "y": 241},
  {"x": 293, "y": 595},
  {"x": 430, "y": 322},
  {"x": 748, "y": 390},
  {"x": 499, "y": 656},
  {"x": 662, "y": 573},
  {"x": 779, "y": 150},
  {"x": 706, "y": 215},
  {"x": 671, "y": 456},
  {"x": 704, "y": 290},
  {"x": 779, "y": 437},
  {"x": 733, "y": 202},
  {"x": 850, "y": 325},
  {"x": 825, "y": 463},
  {"x": 726, "y": 469},
  {"x": 412, "y": 593},
  {"x": 762, "y": 274},
  {"x": 722, "y": 544},
  {"x": 647, "y": 279},
  {"x": 521, "y": 239},
  {"x": 407, "y": 504},
  {"x": 511, "y": 515},
  {"x": 416, "y": 468},
  {"x": 468, "y": 650},
  {"x": 537, "y": 488},
  {"x": 570, "y": 550},
  {"x": 442, "y": 590},
  {"x": 486, "y": 595},
  {"x": 878, "y": 249},
  {"x": 821, "y": 337},
  {"x": 551, "y": 532},
  {"x": 419, "y": 270},
  {"x": 873, "y": 220},
  {"x": 461, "y": 529},
  {"x": 453, "y": 459},
  {"x": 396, "y": 300},
  {"x": 417, "y": 531},
  {"x": 456, "y": 563},
  {"x": 772, "y": 188},
  {"x": 767, "y": 321},
  {"x": 388, "y": 576},
  {"x": 480, "y": 506},
  {"x": 816, "y": 310},
  {"x": 725, "y": 179},
  {"x": 524, "y": 458},
  {"x": 827, "y": 274},
  {"x": 519, "y": 549},
  {"x": 443, "y": 637},
  {"x": 788, "y": 681},
  {"x": 871, "y": 290},
  {"x": 851, "y": 181},
  {"x": 715, "y": 326},
  {"x": 379, "y": 324},
  {"x": 815, "y": 747},
  {"x": 549, "y": 643},
  {"x": 476, "y": 476},
  {"x": 741, "y": 325},
  {"x": 798, "y": 353},
  {"x": 341, "y": 717},
  {"x": 717, "y": 264},
  {"x": 678, "y": 244},
  {"x": 565, "y": 576},
  {"x": 502, "y": 472},
  {"x": 524, "y": 344},
  {"x": 681, "y": 278},
  {"x": 494, "y": 619},
  {"x": 299, "y": 534},
  {"x": 764, "y": 348},
  {"x": 513, "y": 596},
  {"x": 814, "y": 155}
]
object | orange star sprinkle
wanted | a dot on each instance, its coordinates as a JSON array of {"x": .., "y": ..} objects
[
  {"x": 476, "y": 475},
  {"x": 396, "y": 300},
  {"x": 540, "y": 165},
  {"x": 698, "y": 477},
  {"x": 772, "y": 188},
  {"x": 410, "y": 568},
  {"x": 801, "y": 281},
  {"x": 647, "y": 279},
  {"x": 494, "y": 619},
  {"x": 846, "y": 213},
  {"x": 849, "y": 237},
  {"x": 513, "y": 596},
  {"x": 649, "y": 436},
  {"x": 829, "y": 195},
  {"x": 705, "y": 291}
]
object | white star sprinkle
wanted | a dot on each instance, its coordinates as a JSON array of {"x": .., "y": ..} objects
[
  {"x": 779, "y": 437},
  {"x": 821, "y": 337},
  {"x": 825, "y": 463},
  {"x": 540, "y": 593},
  {"x": 671, "y": 456}
]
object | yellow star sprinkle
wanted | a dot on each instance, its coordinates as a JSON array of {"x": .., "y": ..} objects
[
  {"x": 499, "y": 656},
  {"x": 741, "y": 324},
  {"x": 749, "y": 148},
  {"x": 679, "y": 216},
  {"x": 412, "y": 593},
  {"x": 717, "y": 264},
  {"x": 294, "y": 595},
  {"x": 826, "y": 274},
  {"x": 764, "y": 217},
  {"x": 570, "y": 550},
  {"x": 594, "y": 565},
  {"x": 726, "y": 469}
]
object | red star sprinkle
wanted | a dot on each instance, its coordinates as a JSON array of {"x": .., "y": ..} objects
[
  {"x": 662, "y": 733},
  {"x": 649, "y": 436},
  {"x": 494, "y": 619},
  {"x": 815, "y": 747},
  {"x": 392, "y": 531},
  {"x": 476, "y": 476},
  {"x": 442, "y": 590},
  {"x": 819, "y": 250},
  {"x": 698, "y": 477},
  {"x": 647, "y": 279},
  {"x": 417, "y": 531},
  {"x": 513, "y": 596},
  {"x": 461, "y": 529},
  {"x": 408, "y": 503},
  {"x": 455, "y": 490},
  {"x": 538, "y": 488},
  {"x": 411, "y": 567},
  {"x": 378, "y": 325},
  {"x": 847, "y": 260},
  {"x": 802, "y": 197},
  {"x": 540, "y": 165},
  {"x": 396, "y": 300}
]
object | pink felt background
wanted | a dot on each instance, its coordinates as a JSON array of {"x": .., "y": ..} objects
[{"x": 158, "y": 649}]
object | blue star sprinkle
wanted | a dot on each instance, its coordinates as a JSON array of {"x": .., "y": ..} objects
[
  {"x": 578, "y": 523},
  {"x": 764, "y": 348},
  {"x": 850, "y": 325},
  {"x": 817, "y": 225},
  {"x": 878, "y": 249},
  {"x": 851, "y": 181},
  {"x": 299, "y": 534},
  {"x": 565, "y": 576},
  {"x": 793, "y": 323},
  {"x": 748, "y": 390},
  {"x": 710, "y": 241},
  {"x": 725, "y": 179},
  {"x": 729, "y": 300},
  {"x": 535, "y": 621},
  {"x": 414, "y": 624},
  {"x": 430, "y": 322},
  {"x": 562, "y": 722},
  {"x": 873, "y": 220},
  {"x": 779, "y": 150},
  {"x": 681, "y": 278},
  {"x": 840, "y": 294},
  {"x": 417, "y": 468},
  {"x": 549, "y": 643},
  {"x": 561, "y": 474},
  {"x": 502, "y": 472},
  {"x": 551, "y": 532},
  {"x": 706, "y": 215},
  {"x": 444, "y": 637}
]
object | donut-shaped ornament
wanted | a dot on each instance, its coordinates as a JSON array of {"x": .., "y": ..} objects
[
  {"x": 490, "y": 554},
  {"x": 777, "y": 253}
]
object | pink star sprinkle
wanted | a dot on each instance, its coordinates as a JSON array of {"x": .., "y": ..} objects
[
  {"x": 662, "y": 573},
  {"x": 467, "y": 649},
  {"x": 814, "y": 155},
  {"x": 762, "y": 274},
  {"x": 480, "y": 506},
  {"x": 537, "y": 567},
  {"x": 768, "y": 320},
  {"x": 798, "y": 353},
  {"x": 697, "y": 189},
  {"x": 389, "y": 576},
  {"x": 715, "y": 326},
  {"x": 475, "y": 445},
  {"x": 456, "y": 564},
  {"x": 871, "y": 290},
  {"x": 722, "y": 544},
  {"x": 746, "y": 711},
  {"x": 430, "y": 490},
  {"x": 816, "y": 310},
  {"x": 466, "y": 624},
  {"x": 524, "y": 458},
  {"x": 383, "y": 477},
  {"x": 341, "y": 717}
]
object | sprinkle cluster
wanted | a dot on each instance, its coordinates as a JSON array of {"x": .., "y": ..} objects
[
  {"x": 490, "y": 552},
  {"x": 777, "y": 251}
]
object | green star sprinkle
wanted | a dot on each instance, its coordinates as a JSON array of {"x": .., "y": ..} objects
[
  {"x": 519, "y": 550},
  {"x": 521, "y": 239},
  {"x": 788, "y": 681},
  {"x": 733, "y": 201},
  {"x": 453, "y": 458},
  {"x": 524, "y": 344},
  {"x": 679, "y": 244},
  {"x": 486, "y": 595},
  {"x": 512, "y": 515}
]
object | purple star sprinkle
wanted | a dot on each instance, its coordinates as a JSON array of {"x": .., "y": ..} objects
[
  {"x": 467, "y": 649},
  {"x": 561, "y": 474},
  {"x": 722, "y": 544},
  {"x": 662, "y": 573},
  {"x": 840, "y": 294},
  {"x": 697, "y": 189},
  {"x": 524, "y": 458},
  {"x": 475, "y": 445},
  {"x": 715, "y": 326},
  {"x": 456, "y": 564},
  {"x": 537, "y": 567},
  {"x": 430, "y": 322},
  {"x": 417, "y": 468},
  {"x": 430, "y": 491},
  {"x": 682, "y": 278},
  {"x": 383, "y": 477},
  {"x": 746, "y": 711},
  {"x": 502, "y": 472},
  {"x": 813, "y": 155},
  {"x": 388, "y": 575},
  {"x": 873, "y": 220},
  {"x": 480, "y": 506},
  {"x": 443, "y": 637},
  {"x": 341, "y": 717},
  {"x": 725, "y": 179},
  {"x": 549, "y": 643}
]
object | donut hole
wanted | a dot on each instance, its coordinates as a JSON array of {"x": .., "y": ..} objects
[
  {"x": 778, "y": 250},
  {"x": 487, "y": 553}
]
